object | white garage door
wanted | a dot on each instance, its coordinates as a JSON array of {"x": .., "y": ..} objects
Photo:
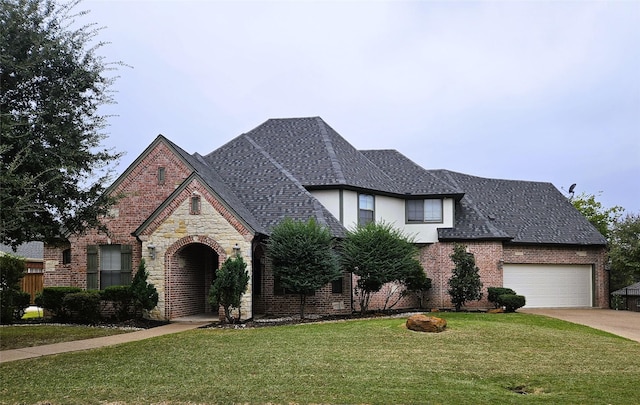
[{"x": 550, "y": 285}]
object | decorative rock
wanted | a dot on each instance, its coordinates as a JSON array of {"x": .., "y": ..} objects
[
  {"x": 496, "y": 311},
  {"x": 424, "y": 323}
]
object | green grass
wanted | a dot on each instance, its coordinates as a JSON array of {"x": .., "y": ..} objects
[
  {"x": 19, "y": 336},
  {"x": 480, "y": 359}
]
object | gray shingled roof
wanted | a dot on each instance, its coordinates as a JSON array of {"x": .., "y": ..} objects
[
  {"x": 633, "y": 289},
  {"x": 409, "y": 177},
  {"x": 266, "y": 188},
  {"x": 29, "y": 250},
  {"x": 265, "y": 175},
  {"x": 524, "y": 212}
]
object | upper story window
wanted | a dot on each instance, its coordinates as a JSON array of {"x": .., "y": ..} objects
[
  {"x": 195, "y": 205},
  {"x": 429, "y": 210},
  {"x": 366, "y": 211},
  {"x": 162, "y": 172}
]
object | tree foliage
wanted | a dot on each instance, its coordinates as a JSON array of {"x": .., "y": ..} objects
[
  {"x": 624, "y": 252},
  {"x": 464, "y": 284},
  {"x": 230, "y": 283},
  {"x": 303, "y": 257},
  {"x": 12, "y": 269},
  {"x": 378, "y": 254},
  {"x": 52, "y": 83},
  {"x": 144, "y": 294},
  {"x": 599, "y": 216}
]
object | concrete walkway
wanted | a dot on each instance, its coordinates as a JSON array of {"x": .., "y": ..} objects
[
  {"x": 621, "y": 323},
  {"x": 76, "y": 345}
]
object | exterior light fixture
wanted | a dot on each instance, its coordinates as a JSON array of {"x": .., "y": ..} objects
[
  {"x": 152, "y": 251},
  {"x": 236, "y": 250}
]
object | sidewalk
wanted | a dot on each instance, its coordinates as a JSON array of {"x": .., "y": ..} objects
[
  {"x": 76, "y": 345},
  {"x": 621, "y": 323}
]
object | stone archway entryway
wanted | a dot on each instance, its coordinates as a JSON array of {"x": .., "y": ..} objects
[{"x": 191, "y": 264}]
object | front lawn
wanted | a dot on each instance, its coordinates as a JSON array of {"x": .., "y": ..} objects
[
  {"x": 19, "y": 336},
  {"x": 480, "y": 359}
]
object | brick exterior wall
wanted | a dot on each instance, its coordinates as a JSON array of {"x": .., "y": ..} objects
[
  {"x": 141, "y": 195},
  {"x": 189, "y": 247},
  {"x": 323, "y": 302}
]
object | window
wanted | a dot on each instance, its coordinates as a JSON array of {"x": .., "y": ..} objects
[
  {"x": 195, "y": 205},
  {"x": 66, "y": 256},
  {"x": 161, "y": 175},
  {"x": 424, "y": 210},
  {"x": 366, "y": 211},
  {"x": 336, "y": 286},
  {"x": 108, "y": 265}
]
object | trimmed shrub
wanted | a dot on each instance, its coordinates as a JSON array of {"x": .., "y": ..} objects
[
  {"x": 511, "y": 302},
  {"x": 83, "y": 306},
  {"x": 143, "y": 294},
  {"x": 52, "y": 299},
  {"x": 121, "y": 297},
  {"x": 495, "y": 292}
]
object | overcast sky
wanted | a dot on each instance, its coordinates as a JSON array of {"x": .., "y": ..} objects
[{"x": 542, "y": 91}]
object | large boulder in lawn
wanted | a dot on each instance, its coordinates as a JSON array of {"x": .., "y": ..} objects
[{"x": 424, "y": 323}]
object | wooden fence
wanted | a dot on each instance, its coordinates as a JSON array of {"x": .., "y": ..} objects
[{"x": 33, "y": 283}]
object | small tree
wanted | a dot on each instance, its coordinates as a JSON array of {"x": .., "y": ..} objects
[
  {"x": 464, "y": 284},
  {"x": 12, "y": 269},
  {"x": 378, "y": 253},
  {"x": 600, "y": 217},
  {"x": 145, "y": 295},
  {"x": 303, "y": 257},
  {"x": 231, "y": 282},
  {"x": 624, "y": 252},
  {"x": 418, "y": 284}
]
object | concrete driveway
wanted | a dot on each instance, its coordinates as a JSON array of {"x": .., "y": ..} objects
[{"x": 621, "y": 323}]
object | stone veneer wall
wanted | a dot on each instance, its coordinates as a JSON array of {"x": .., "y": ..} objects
[{"x": 176, "y": 229}]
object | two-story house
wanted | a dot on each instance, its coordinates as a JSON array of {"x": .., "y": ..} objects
[{"x": 186, "y": 213}]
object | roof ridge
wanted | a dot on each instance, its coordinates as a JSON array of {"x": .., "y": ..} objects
[
  {"x": 274, "y": 162},
  {"x": 335, "y": 162}
]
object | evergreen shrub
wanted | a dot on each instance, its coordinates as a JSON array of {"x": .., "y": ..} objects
[
  {"x": 83, "y": 306},
  {"x": 495, "y": 292},
  {"x": 52, "y": 299},
  {"x": 121, "y": 297},
  {"x": 511, "y": 302}
]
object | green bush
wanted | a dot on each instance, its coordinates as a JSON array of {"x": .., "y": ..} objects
[
  {"x": 511, "y": 302},
  {"x": 121, "y": 298},
  {"x": 52, "y": 299},
  {"x": 144, "y": 295},
  {"x": 12, "y": 269},
  {"x": 83, "y": 306},
  {"x": 495, "y": 292},
  {"x": 21, "y": 301}
]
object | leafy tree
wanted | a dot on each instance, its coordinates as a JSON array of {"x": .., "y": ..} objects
[
  {"x": 303, "y": 257},
  {"x": 12, "y": 269},
  {"x": 144, "y": 295},
  {"x": 624, "y": 252},
  {"x": 464, "y": 284},
  {"x": 419, "y": 284},
  {"x": 599, "y": 216},
  {"x": 378, "y": 254},
  {"x": 52, "y": 83},
  {"x": 231, "y": 282}
]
